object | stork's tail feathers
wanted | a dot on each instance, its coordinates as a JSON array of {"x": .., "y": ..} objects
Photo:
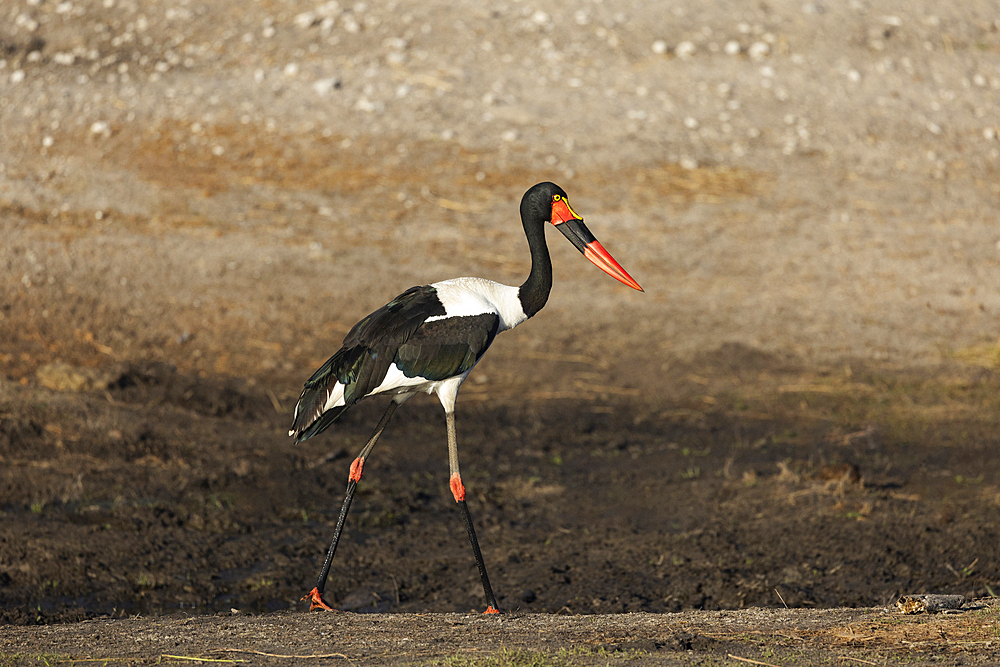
[
  {"x": 311, "y": 414},
  {"x": 303, "y": 430}
]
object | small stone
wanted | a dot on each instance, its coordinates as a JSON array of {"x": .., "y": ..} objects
[
  {"x": 759, "y": 50},
  {"x": 101, "y": 127},
  {"x": 305, "y": 20},
  {"x": 685, "y": 50},
  {"x": 732, "y": 48},
  {"x": 324, "y": 86},
  {"x": 659, "y": 47},
  {"x": 329, "y": 9}
]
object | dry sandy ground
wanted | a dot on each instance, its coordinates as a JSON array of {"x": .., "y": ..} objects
[
  {"x": 745, "y": 637},
  {"x": 197, "y": 200}
]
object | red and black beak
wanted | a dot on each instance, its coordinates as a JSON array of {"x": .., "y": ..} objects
[{"x": 565, "y": 219}]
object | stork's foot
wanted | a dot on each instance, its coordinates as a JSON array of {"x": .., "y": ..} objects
[
  {"x": 491, "y": 610},
  {"x": 316, "y": 600}
]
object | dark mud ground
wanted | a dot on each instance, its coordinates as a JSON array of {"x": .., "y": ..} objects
[
  {"x": 163, "y": 493},
  {"x": 197, "y": 200},
  {"x": 758, "y": 485}
]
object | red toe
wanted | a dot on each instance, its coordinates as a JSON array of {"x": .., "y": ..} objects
[{"x": 316, "y": 600}]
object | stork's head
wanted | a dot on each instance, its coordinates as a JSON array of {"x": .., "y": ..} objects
[{"x": 548, "y": 202}]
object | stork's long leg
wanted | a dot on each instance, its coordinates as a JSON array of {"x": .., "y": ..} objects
[
  {"x": 458, "y": 490},
  {"x": 315, "y": 596}
]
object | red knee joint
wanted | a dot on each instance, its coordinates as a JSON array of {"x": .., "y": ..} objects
[
  {"x": 356, "y": 470},
  {"x": 457, "y": 488}
]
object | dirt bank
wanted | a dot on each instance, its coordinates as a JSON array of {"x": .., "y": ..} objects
[{"x": 749, "y": 636}]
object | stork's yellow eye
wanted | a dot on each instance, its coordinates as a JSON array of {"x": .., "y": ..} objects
[{"x": 556, "y": 198}]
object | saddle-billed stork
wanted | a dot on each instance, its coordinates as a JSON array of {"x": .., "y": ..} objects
[{"x": 429, "y": 339}]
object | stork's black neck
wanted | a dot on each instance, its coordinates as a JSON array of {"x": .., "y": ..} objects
[{"x": 535, "y": 291}]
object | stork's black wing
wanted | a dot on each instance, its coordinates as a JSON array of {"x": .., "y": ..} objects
[
  {"x": 445, "y": 348},
  {"x": 361, "y": 364}
]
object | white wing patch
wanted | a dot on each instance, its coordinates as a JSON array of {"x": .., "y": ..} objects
[
  {"x": 396, "y": 382},
  {"x": 334, "y": 397}
]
